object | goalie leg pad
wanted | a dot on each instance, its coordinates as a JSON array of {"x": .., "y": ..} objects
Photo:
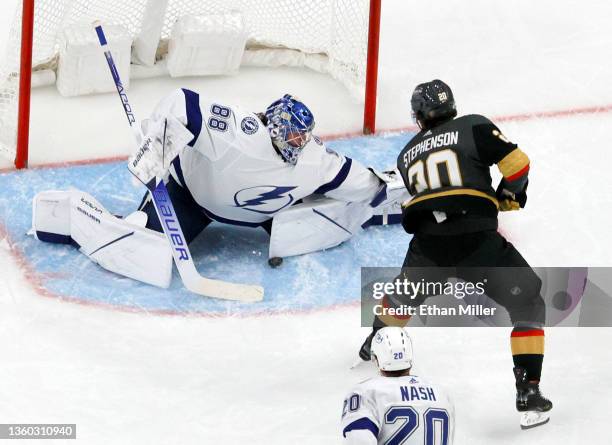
[
  {"x": 122, "y": 246},
  {"x": 315, "y": 224}
]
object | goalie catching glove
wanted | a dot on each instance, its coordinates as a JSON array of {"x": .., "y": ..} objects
[
  {"x": 162, "y": 142},
  {"x": 392, "y": 193}
]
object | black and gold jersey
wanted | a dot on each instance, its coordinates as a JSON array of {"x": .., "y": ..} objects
[{"x": 446, "y": 170}]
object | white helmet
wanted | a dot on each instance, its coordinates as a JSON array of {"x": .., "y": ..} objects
[{"x": 392, "y": 348}]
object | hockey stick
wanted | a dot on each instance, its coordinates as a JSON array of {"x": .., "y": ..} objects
[{"x": 192, "y": 280}]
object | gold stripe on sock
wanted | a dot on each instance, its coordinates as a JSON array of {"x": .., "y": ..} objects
[{"x": 527, "y": 345}]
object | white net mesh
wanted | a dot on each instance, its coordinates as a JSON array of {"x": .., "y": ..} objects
[{"x": 336, "y": 28}]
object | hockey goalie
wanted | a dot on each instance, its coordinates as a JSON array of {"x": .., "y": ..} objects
[{"x": 221, "y": 163}]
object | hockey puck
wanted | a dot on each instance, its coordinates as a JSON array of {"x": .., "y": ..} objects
[{"x": 275, "y": 262}]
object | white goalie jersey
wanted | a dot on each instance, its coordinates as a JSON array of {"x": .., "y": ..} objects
[
  {"x": 233, "y": 172},
  {"x": 404, "y": 410}
]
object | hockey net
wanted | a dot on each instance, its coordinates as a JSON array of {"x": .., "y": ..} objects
[{"x": 334, "y": 29}]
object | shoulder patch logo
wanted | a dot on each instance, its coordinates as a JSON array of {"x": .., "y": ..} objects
[
  {"x": 249, "y": 125},
  {"x": 501, "y": 136},
  {"x": 317, "y": 139}
]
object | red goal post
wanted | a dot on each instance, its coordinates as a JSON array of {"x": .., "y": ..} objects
[
  {"x": 353, "y": 20},
  {"x": 25, "y": 85}
]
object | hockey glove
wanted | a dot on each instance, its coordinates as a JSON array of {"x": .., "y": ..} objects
[
  {"x": 161, "y": 144},
  {"x": 392, "y": 190},
  {"x": 509, "y": 200}
]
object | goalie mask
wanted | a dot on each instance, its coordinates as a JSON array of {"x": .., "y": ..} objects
[{"x": 290, "y": 124}]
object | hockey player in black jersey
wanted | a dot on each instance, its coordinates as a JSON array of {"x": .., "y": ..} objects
[{"x": 453, "y": 216}]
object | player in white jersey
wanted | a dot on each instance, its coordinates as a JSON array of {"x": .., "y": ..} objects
[
  {"x": 242, "y": 168},
  {"x": 397, "y": 407},
  {"x": 222, "y": 163}
]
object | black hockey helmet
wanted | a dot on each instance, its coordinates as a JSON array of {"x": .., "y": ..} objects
[{"x": 432, "y": 103}]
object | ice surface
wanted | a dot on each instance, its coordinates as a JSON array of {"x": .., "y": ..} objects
[{"x": 280, "y": 376}]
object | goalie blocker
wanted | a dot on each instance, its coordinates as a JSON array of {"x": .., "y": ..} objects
[{"x": 120, "y": 245}]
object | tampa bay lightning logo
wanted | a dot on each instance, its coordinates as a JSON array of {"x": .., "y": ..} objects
[
  {"x": 268, "y": 199},
  {"x": 249, "y": 125}
]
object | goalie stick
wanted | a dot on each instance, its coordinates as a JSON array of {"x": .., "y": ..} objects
[{"x": 192, "y": 280}]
